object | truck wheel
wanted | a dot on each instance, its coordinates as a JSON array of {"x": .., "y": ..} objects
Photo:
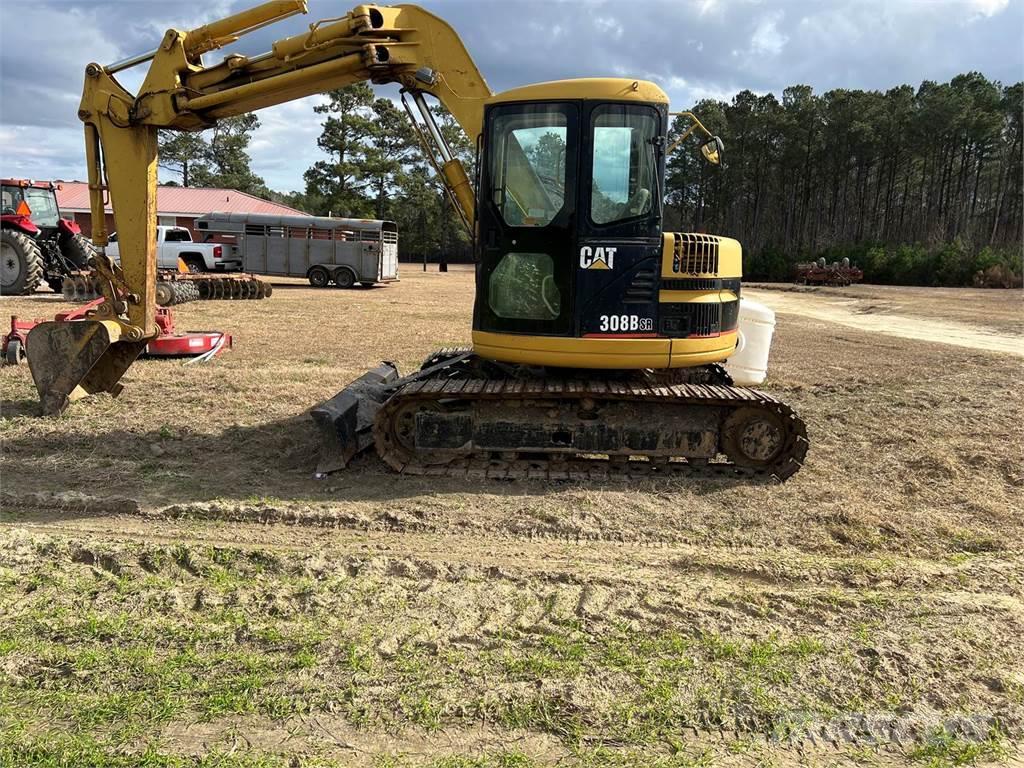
[
  {"x": 318, "y": 277},
  {"x": 194, "y": 264},
  {"x": 21, "y": 263},
  {"x": 78, "y": 250},
  {"x": 343, "y": 278}
]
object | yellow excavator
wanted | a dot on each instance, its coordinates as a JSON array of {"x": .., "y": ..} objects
[{"x": 597, "y": 337}]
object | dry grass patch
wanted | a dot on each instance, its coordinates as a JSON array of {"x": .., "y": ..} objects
[{"x": 170, "y": 568}]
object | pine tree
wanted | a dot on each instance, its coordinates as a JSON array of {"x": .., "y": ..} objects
[
  {"x": 183, "y": 153},
  {"x": 339, "y": 185},
  {"x": 392, "y": 146},
  {"x": 214, "y": 158}
]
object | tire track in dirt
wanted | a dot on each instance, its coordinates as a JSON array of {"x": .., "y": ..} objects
[
  {"x": 694, "y": 568},
  {"x": 452, "y": 599},
  {"x": 856, "y": 313}
]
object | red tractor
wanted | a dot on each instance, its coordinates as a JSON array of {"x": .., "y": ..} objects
[{"x": 36, "y": 244}]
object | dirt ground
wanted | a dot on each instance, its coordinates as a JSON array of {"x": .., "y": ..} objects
[
  {"x": 176, "y": 588},
  {"x": 965, "y": 318}
]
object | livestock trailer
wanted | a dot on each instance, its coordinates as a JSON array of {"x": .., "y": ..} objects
[{"x": 322, "y": 249}]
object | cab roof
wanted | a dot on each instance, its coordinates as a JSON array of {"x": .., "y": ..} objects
[
  {"x": 591, "y": 88},
  {"x": 28, "y": 183}
]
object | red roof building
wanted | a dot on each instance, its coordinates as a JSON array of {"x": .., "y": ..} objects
[{"x": 175, "y": 206}]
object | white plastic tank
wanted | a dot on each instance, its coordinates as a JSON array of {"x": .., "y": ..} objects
[{"x": 748, "y": 365}]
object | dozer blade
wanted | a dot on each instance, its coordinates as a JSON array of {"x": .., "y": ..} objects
[
  {"x": 346, "y": 420},
  {"x": 70, "y": 360}
]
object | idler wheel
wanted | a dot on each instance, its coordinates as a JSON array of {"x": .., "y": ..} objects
[{"x": 753, "y": 437}]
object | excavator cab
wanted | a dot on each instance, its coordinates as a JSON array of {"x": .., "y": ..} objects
[{"x": 570, "y": 238}]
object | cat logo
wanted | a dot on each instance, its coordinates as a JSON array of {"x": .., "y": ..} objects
[{"x": 597, "y": 258}]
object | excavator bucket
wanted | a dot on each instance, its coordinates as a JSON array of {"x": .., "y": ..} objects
[
  {"x": 70, "y": 360},
  {"x": 345, "y": 421}
]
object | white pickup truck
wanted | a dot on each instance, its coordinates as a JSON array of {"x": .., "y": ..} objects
[{"x": 173, "y": 243}]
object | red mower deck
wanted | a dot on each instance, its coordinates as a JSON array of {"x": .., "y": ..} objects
[{"x": 170, "y": 342}]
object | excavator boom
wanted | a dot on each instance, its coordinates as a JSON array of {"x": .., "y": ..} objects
[{"x": 402, "y": 44}]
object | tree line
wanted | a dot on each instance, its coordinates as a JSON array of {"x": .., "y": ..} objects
[{"x": 917, "y": 186}]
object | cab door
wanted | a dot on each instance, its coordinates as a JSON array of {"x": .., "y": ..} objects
[
  {"x": 527, "y": 219},
  {"x": 620, "y": 237}
]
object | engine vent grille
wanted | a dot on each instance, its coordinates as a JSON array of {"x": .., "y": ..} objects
[
  {"x": 707, "y": 319},
  {"x": 701, "y": 284},
  {"x": 695, "y": 254},
  {"x": 688, "y": 320},
  {"x": 642, "y": 288}
]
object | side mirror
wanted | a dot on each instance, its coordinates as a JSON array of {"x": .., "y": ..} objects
[{"x": 713, "y": 149}]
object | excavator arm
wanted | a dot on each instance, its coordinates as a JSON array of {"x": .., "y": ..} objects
[{"x": 401, "y": 44}]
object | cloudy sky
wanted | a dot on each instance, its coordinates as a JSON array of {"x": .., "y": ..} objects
[{"x": 692, "y": 48}]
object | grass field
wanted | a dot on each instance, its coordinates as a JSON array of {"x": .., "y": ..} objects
[{"x": 178, "y": 590}]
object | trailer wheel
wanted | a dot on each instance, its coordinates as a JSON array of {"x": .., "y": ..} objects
[
  {"x": 21, "y": 263},
  {"x": 14, "y": 353},
  {"x": 318, "y": 277},
  {"x": 344, "y": 278}
]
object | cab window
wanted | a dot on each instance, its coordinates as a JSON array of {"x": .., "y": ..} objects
[
  {"x": 43, "y": 205},
  {"x": 528, "y": 164},
  {"x": 523, "y": 287},
  {"x": 624, "y": 163}
]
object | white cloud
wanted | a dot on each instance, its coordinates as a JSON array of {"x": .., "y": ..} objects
[
  {"x": 609, "y": 26},
  {"x": 683, "y": 45},
  {"x": 284, "y": 145},
  {"x": 767, "y": 40},
  {"x": 27, "y": 152},
  {"x": 706, "y": 6},
  {"x": 988, "y": 8}
]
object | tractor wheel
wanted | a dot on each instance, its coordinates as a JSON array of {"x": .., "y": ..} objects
[
  {"x": 14, "y": 353},
  {"x": 78, "y": 250},
  {"x": 21, "y": 263}
]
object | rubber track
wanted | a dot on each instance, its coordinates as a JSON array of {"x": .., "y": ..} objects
[{"x": 562, "y": 467}]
